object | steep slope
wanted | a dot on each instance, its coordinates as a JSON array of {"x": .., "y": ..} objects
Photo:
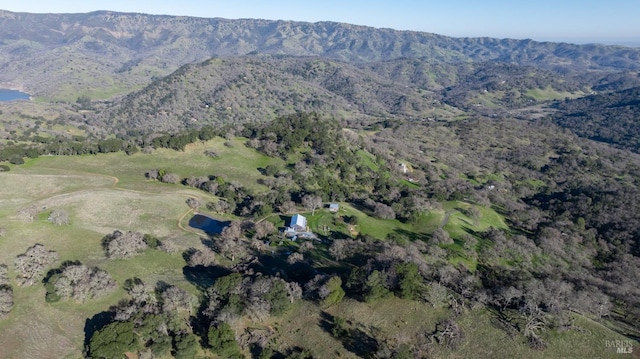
[{"x": 103, "y": 53}]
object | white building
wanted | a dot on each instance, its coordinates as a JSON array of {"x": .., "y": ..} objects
[{"x": 298, "y": 223}]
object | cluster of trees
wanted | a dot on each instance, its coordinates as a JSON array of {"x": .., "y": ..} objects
[
  {"x": 15, "y": 153},
  {"x": 154, "y": 322},
  {"x": 59, "y": 217},
  {"x": 514, "y": 81},
  {"x": 236, "y": 295},
  {"x": 30, "y": 268},
  {"x": 168, "y": 320},
  {"x": 572, "y": 245},
  {"x": 129, "y": 143},
  {"x": 556, "y": 208},
  {"x": 334, "y": 168},
  {"x": 74, "y": 280}
]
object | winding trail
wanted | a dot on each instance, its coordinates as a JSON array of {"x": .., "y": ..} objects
[
  {"x": 445, "y": 220},
  {"x": 114, "y": 186}
]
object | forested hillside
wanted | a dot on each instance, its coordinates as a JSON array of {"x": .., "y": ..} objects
[
  {"x": 259, "y": 88},
  {"x": 611, "y": 117}
]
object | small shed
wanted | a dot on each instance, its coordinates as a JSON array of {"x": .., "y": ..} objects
[{"x": 334, "y": 207}]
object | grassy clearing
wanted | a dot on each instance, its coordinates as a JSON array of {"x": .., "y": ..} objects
[
  {"x": 483, "y": 339},
  {"x": 238, "y": 163},
  {"x": 548, "y": 93},
  {"x": 459, "y": 224},
  {"x": 368, "y": 160},
  {"x": 429, "y": 222},
  {"x": 378, "y": 228}
]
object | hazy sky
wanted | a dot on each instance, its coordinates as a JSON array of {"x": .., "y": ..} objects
[{"x": 606, "y": 21}]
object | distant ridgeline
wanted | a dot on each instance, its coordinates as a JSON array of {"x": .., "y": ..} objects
[{"x": 109, "y": 52}]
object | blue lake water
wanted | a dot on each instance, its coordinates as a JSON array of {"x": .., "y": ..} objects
[
  {"x": 208, "y": 224},
  {"x": 11, "y": 95}
]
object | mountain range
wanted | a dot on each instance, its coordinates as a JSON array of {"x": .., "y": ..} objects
[{"x": 56, "y": 56}]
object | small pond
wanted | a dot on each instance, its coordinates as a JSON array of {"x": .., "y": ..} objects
[
  {"x": 11, "y": 95},
  {"x": 207, "y": 224}
]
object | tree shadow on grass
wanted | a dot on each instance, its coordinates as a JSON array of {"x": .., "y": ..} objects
[
  {"x": 354, "y": 340},
  {"x": 276, "y": 264},
  {"x": 413, "y": 236},
  {"x": 203, "y": 277},
  {"x": 95, "y": 323}
]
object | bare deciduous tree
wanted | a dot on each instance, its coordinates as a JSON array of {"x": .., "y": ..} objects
[
  {"x": 263, "y": 229},
  {"x": 311, "y": 202},
  {"x": 28, "y": 214},
  {"x": 170, "y": 178},
  {"x": 294, "y": 291},
  {"x": 140, "y": 292},
  {"x": 123, "y": 245},
  {"x": 4, "y": 277},
  {"x": 258, "y": 309},
  {"x": 210, "y": 153},
  {"x": 152, "y": 174},
  {"x": 168, "y": 246},
  {"x": 80, "y": 283},
  {"x": 193, "y": 203},
  {"x": 196, "y": 182},
  {"x": 200, "y": 257},
  {"x": 175, "y": 299},
  {"x": 288, "y": 207},
  {"x": 232, "y": 243},
  {"x": 6, "y": 300},
  {"x": 305, "y": 247},
  {"x": 440, "y": 236},
  {"x": 32, "y": 263},
  {"x": 295, "y": 258},
  {"x": 59, "y": 217},
  {"x": 449, "y": 334},
  {"x": 383, "y": 211}
]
